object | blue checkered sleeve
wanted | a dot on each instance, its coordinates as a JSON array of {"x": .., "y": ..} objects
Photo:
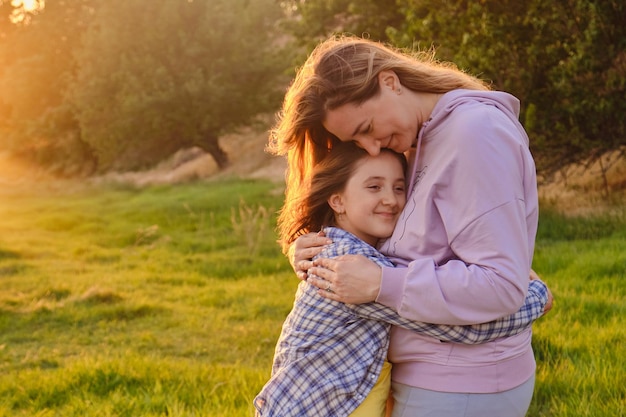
[{"x": 532, "y": 309}]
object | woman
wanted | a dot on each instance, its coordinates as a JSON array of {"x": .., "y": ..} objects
[{"x": 464, "y": 241}]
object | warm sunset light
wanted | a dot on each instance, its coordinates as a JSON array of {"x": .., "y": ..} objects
[{"x": 12, "y": 171}]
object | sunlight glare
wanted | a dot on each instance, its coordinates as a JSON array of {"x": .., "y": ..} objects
[
  {"x": 23, "y": 9},
  {"x": 27, "y": 5}
]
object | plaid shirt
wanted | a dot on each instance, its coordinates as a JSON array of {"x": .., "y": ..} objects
[{"x": 329, "y": 354}]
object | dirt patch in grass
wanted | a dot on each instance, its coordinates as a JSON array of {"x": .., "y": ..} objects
[{"x": 246, "y": 151}]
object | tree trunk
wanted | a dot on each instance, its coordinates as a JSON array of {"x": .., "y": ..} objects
[{"x": 211, "y": 145}]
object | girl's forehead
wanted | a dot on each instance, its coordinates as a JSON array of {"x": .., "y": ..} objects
[{"x": 385, "y": 164}]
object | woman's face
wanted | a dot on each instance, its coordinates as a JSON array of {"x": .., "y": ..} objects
[{"x": 385, "y": 121}]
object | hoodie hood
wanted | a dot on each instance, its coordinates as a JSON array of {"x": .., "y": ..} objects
[{"x": 505, "y": 102}]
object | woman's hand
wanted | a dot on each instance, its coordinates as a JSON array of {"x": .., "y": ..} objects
[
  {"x": 304, "y": 249},
  {"x": 548, "y": 306},
  {"x": 351, "y": 279}
]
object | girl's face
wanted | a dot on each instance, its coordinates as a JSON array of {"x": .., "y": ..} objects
[
  {"x": 373, "y": 198},
  {"x": 387, "y": 120}
]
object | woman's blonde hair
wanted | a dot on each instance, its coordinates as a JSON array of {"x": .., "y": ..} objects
[{"x": 339, "y": 71}]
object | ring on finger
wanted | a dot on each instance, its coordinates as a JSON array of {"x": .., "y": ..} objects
[{"x": 328, "y": 288}]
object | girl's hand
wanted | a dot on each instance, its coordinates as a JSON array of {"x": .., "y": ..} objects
[
  {"x": 351, "y": 279},
  {"x": 304, "y": 249},
  {"x": 548, "y": 306}
]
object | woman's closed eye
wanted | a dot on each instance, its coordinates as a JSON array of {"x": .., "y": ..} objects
[{"x": 366, "y": 130}]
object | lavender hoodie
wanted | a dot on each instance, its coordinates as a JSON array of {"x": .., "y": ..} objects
[{"x": 464, "y": 245}]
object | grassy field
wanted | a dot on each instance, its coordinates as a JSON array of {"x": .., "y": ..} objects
[{"x": 167, "y": 301}]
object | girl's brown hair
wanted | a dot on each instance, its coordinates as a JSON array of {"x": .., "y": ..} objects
[
  {"x": 339, "y": 71},
  {"x": 310, "y": 208}
]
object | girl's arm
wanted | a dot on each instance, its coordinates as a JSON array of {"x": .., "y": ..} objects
[{"x": 537, "y": 300}]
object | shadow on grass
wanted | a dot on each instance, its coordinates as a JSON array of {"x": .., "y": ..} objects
[{"x": 8, "y": 254}]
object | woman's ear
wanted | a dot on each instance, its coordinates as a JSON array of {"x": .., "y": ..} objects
[
  {"x": 336, "y": 203},
  {"x": 389, "y": 79}
]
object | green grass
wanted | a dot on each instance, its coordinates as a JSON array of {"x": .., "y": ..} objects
[
  {"x": 581, "y": 346},
  {"x": 167, "y": 301}
]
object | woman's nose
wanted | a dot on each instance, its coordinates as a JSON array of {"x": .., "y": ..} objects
[{"x": 371, "y": 146}]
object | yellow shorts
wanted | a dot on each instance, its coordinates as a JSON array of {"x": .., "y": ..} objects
[{"x": 375, "y": 404}]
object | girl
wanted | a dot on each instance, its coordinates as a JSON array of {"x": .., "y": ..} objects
[{"x": 330, "y": 359}]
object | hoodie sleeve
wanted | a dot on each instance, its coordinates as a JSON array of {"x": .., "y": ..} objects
[{"x": 484, "y": 199}]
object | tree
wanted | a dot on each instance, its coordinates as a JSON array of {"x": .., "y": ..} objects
[
  {"x": 585, "y": 118},
  {"x": 36, "y": 51},
  {"x": 156, "y": 77}
]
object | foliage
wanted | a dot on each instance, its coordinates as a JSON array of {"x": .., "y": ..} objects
[
  {"x": 564, "y": 60},
  {"x": 36, "y": 122},
  {"x": 125, "y": 302},
  {"x": 313, "y": 21},
  {"x": 585, "y": 113}
]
